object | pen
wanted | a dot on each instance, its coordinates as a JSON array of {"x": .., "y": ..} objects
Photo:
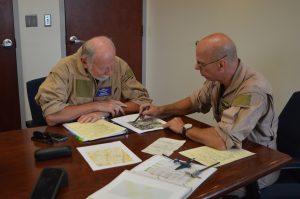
[
  {"x": 197, "y": 172},
  {"x": 145, "y": 108}
]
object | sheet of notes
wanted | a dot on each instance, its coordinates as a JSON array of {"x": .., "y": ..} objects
[
  {"x": 163, "y": 146},
  {"x": 208, "y": 156}
]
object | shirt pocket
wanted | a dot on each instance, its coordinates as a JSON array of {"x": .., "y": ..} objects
[{"x": 84, "y": 88}]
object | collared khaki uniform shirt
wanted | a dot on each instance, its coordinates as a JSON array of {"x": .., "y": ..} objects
[
  {"x": 244, "y": 110},
  {"x": 69, "y": 83}
]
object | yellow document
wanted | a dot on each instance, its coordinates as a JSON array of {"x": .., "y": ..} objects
[
  {"x": 93, "y": 131},
  {"x": 208, "y": 156},
  {"x": 108, "y": 155}
]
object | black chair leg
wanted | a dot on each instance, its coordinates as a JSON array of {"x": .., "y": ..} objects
[{"x": 252, "y": 191}]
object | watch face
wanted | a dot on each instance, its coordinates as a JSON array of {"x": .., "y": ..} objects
[{"x": 188, "y": 126}]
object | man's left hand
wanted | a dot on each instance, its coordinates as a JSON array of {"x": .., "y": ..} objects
[
  {"x": 176, "y": 125},
  {"x": 92, "y": 117}
]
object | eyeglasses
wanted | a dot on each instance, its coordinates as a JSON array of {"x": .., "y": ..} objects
[
  {"x": 203, "y": 64},
  {"x": 48, "y": 137},
  {"x": 42, "y": 137}
]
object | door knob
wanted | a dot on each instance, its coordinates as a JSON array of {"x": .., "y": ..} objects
[
  {"x": 7, "y": 43},
  {"x": 74, "y": 40}
]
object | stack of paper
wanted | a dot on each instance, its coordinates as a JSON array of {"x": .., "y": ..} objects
[
  {"x": 154, "y": 178},
  {"x": 92, "y": 131}
]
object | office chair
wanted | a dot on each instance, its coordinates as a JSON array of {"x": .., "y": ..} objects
[
  {"x": 36, "y": 111},
  {"x": 288, "y": 141}
]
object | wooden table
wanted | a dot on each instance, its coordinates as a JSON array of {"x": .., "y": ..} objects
[{"x": 19, "y": 171}]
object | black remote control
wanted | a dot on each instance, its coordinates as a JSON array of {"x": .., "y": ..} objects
[{"x": 49, "y": 182}]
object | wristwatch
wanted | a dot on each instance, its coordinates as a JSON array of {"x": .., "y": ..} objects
[{"x": 185, "y": 128}]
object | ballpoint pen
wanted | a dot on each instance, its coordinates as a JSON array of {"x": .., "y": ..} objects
[
  {"x": 197, "y": 172},
  {"x": 145, "y": 108}
]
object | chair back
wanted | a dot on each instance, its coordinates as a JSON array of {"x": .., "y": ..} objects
[
  {"x": 288, "y": 134},
  {"x": 36, "y": 111}
]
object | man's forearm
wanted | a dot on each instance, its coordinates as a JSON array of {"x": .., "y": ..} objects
[
  {"x": 70, "y": 113},
  {"x": 131, "y": 107},
  {"x": 207, "y": 136},
  {"x": 181, "y": 107}
]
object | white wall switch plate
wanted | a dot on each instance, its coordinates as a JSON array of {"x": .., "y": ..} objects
[{"x": 47, "y": 20}]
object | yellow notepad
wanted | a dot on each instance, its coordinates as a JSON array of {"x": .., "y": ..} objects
[
  {"x": 92, "y": 131},
  {"x": 207, "y": 156}
]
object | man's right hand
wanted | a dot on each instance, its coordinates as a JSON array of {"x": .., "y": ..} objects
[
  {"x": 114, "y": 107},
  {"x": 148, "y": 109}
]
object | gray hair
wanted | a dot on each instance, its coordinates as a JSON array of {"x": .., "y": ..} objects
[{"x": 89, "y": 47}]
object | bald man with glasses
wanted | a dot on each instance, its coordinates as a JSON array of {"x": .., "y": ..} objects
[{"x": 240, "y": 98}]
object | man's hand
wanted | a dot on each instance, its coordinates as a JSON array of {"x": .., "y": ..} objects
[
  {"x": 176, "y": 125},
  {"x": 92, "y": 117},
  {"x": 148, "y": 109},
  {"x": 113, "y": 107}
]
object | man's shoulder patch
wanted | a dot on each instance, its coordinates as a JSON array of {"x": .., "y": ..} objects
[{"x": 242, "y": 100}]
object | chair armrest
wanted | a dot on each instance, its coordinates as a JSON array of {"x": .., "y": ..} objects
[{"x": 29, "y": 124}]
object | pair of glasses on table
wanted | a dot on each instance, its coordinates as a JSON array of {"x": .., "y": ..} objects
[{"x": 48, "y": 137}]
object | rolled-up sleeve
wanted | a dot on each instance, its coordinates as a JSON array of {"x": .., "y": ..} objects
[
  {"x": 201, "y": 98},
  {"x": 239, "y": 120}
]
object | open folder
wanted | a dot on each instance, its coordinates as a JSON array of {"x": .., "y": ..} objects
[
  {"x": 93, "y": 131},
  {"x": 155, "y": 178}
]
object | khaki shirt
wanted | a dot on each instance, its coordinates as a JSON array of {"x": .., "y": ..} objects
[
  {"x": 69, "y": 83},
  {"x": 245, "y": 110}
]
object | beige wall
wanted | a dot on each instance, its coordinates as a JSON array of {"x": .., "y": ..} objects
[
  {"x": 266, "y": 33},
  {"x": 38, "y": 48}
]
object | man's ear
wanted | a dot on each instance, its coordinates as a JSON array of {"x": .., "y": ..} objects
[
  {"x": 83, "y": 61},
  {"x": 222, "y": 65}
]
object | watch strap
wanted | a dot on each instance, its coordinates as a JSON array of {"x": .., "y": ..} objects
[{"x": 183, "y": 132}]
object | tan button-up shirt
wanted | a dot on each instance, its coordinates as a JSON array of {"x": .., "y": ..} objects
[
  {"x": 69, "y": 83},
  {"x": 244, "y": 110}
]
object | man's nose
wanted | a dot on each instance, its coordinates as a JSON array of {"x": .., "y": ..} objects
[{"x": 108, "y": 71}]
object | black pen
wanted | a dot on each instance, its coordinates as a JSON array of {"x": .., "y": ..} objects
[
  {"x": 145, "y": 108},
  {"x": 197, "y": 172}
]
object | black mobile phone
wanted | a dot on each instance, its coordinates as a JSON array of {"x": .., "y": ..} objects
[
  {"x": 58, "y": 137},
  {"x": 49, "y": 182}
]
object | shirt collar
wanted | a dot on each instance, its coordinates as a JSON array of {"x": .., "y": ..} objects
[{"x": 237, "y": 79}]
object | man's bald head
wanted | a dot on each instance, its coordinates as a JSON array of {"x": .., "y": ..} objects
[
  {"x": 217, "y": 45},
  {"x": 100, "y": 47}
]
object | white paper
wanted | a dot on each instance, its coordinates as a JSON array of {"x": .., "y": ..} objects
[
  {"x": 103, "y": 156},
  {"x": 124, "y": 121},
  {"x": 163, "y": 168},
  {"x": 163, "y": 146},
  {"x": 208, "y": 156},
  {"x": 130, "y": 186}
]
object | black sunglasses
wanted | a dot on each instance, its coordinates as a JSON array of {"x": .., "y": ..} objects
[{"x": 42, "y": 137}]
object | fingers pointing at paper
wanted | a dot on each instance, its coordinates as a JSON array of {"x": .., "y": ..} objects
[{"x": 148, "y": 109}]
